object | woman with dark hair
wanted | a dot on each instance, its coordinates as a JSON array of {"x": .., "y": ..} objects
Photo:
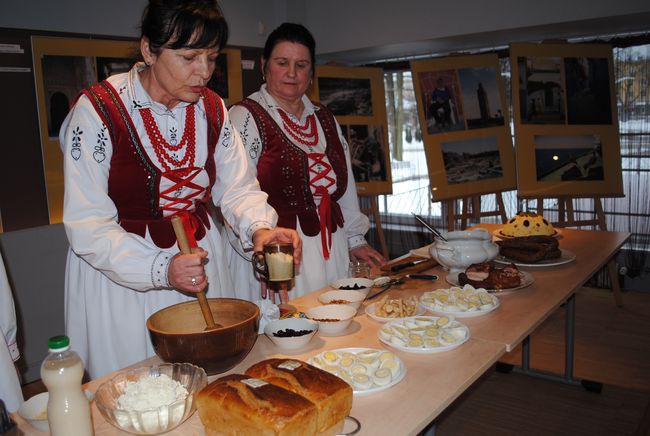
[
  {"x": 140, "y": 148},
  {"x": 302, "y": 162}
]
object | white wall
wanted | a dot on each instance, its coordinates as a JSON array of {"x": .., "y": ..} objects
[
  {"x": 359, "y": 30},
  {"x": 364, "y": 29},
  {"x": 122, "y": 17},
  {"x": 367, "y": 23}
]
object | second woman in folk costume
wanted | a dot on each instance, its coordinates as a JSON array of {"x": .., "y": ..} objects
[{"x": 303, "y": 164}]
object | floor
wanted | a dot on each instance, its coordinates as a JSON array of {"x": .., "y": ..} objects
[{"x": 612, "y": 347}]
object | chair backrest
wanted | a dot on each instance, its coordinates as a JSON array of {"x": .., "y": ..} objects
[{"x": 35, "y": 261}]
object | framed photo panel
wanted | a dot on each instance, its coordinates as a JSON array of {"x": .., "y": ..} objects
[
  {"x": 62, "y": 68},
  {"x": 356, "y": 97},
  {"x": 227, "y": 78},
  {"x": 465, "y": 127},
  {"x": 566, "y": 126}
]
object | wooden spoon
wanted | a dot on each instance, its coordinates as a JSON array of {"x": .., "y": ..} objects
[{"x": 184, "y": 245}]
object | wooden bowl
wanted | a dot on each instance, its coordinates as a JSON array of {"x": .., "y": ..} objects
[{"x": 178, "y": 333}]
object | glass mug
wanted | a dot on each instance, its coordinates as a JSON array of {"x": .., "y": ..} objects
[
  {"x": 275, "y": 264},
  {"x": 359, "y": 268}
]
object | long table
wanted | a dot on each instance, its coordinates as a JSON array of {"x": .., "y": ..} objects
[{"x": 433, "y": 381}]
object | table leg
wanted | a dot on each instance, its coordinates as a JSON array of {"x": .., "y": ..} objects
[
  {"x": 616, "y": 284},
  {"x": 569, "y": 348}
]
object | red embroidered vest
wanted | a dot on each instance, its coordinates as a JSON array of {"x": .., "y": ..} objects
[
  {"x": 134, "y": 181},
  {"x": 283, "y": 172}
]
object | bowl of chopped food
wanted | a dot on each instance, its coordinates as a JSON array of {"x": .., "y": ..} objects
[
  {"x": 359, "y": 284},
  {"x": 291, "y": 333},
  {"x": 151, "y": 399},
  {"x": 332, "y": 319},
  {"x": 178, "y": 333},
  {"x": 340, "y": 296}
]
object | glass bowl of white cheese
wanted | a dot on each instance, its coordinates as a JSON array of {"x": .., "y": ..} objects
[{"x": 151, "y": 399}]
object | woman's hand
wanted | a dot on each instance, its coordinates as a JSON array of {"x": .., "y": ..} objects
[
  {"x": 271, "y": 236},
  {"x": 368, "y": 254},
  {"x": 186, "y": 272},
  {"x": 279, "y": 234}
]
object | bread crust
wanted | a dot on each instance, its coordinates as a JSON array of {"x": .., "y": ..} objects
[
  {"x": 331, "y": 395},
  {"x": 228, "y": 406}
]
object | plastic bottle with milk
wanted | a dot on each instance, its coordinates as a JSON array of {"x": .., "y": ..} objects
[{"x": 68, "y": 410}]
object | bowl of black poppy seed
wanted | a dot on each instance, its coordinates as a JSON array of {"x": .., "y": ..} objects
[{"x": 291, "y": 333}]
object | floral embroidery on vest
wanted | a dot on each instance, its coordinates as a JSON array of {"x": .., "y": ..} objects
[{"x": 283, "y": 172}]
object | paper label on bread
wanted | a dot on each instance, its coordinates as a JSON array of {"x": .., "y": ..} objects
[
  {"x": 254, "y": 382},
  {"x": 290, "y": 365}
]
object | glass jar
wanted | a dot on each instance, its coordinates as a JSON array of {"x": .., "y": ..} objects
[{"x": 359, "y": 268}]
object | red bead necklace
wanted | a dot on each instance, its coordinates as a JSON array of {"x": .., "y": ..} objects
[
  {"x": 306, "y": 134},
  {"x": 161, "y": 146}
]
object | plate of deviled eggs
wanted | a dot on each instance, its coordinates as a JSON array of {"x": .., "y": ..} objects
[
  {"x": 367, "y": 370},
  {"x": 459, "y": 302},
  {"x": 424, "y": 334}
]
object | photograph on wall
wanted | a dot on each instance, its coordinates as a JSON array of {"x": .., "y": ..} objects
[
  {"x": 471, "y": 160},
  {"x": 62, "y": 68},
  {"x": 441, "y": 100},
  {"x": 578, "y": 153},
  {"x": 472, "y": 155},
  {"x": 481, "y": 98},
  {"x": 355, "y": 96},
  {"x": 106, "y": 67},
  {"x": 568, "y": 157},
  {"x": 63, "y": 78},
  {"x": 367, "y": 144},
  {"x": 541, "y": 90},
  {"x": 587, "y": 86},
  {"x": 219, "y": 80},
  {"x": 226, "y": 79},
  {"x": 346, "y": 96}
]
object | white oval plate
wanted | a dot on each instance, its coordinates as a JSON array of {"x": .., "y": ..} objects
[
  {"x": 526, "y": 280},
  {"x": 498, "y": 234},
  {"x": 422, "y": 251},
  {"x": 566, "y": 257},
  {"x": 372, "y": 390},
  {"x": 432, "y": 349},
  {"x": 370, "y": 311}
]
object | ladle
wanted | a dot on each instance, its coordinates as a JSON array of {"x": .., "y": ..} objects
[
  {"x": 184, "y": 245},
  {"x": 431, "y": 229}
]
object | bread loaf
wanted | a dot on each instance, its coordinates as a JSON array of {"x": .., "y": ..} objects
[
  {"x": 240, "y": 405},
  {"x": 331, "y": 395}
]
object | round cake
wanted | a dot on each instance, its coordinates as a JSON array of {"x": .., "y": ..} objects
[{"x": 527, "y": 224}]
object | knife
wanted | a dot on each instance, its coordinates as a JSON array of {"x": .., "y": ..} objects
[
  {"x": 431, "y": 277},
  {"x": 407, "y": 265}
]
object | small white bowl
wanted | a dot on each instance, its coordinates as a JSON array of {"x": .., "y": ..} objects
[
  {"x": 342, "y": 315},
  {"x": 347, "y": 297},
  {"x": 291, "y": 342},
  {"x": 36, "y": 407},
  {"x": 358, "y": 284}
]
